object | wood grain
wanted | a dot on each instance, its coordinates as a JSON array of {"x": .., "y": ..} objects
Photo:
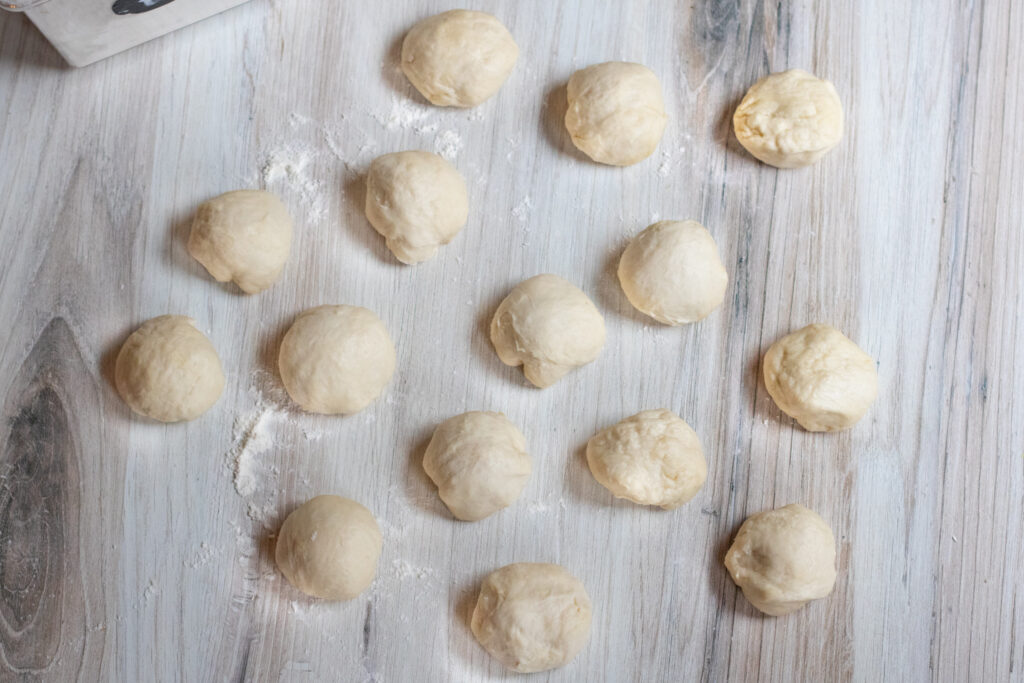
[{"x": 128, "y": 553}]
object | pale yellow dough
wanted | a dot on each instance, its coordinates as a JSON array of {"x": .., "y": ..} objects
[
  {"x": 329, "y": 547},
  {"x": 458, "y": 58},
  {"x": 532, "y": 616},
  {"x": 783, "y": 558},
  {"x": 168, "y": 370},
  {"x": 820, "y": 378},
  {"x": 789, "y": 119}
]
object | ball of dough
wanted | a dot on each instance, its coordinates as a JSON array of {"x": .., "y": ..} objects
[
  {"x": 789, "y": 119},
  {"x": 783, "y": 558},
  {"x": 651, "y": 458},
  {"x": 672, "y": 272},
  {"x": 243, "y": 236},
  {"x": 417, "y": 201},
  {"x": 820, "y": 378},
  {"x": 336, "y": 359},
  {"x": 616, "y": 113},
  {"x": 168, "y": 370},
  {"x": 458, "y": 58},
  {"x": 478, "y": 461},
  {"x": 328, "y": 548},
  {"x": 532, "y": 616},
  {"x": 548, "y": 326}
]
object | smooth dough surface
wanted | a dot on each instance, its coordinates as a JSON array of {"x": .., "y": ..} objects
[
  {"x": 651, "y": 458},
  {"x": 820, "y": 378},
  {"x": 328, "y": 547},
  {"x": 789, "y": 119},
  {"x": 672, "y": 272},
  {"x": 417, "y": 201},
  {"x": 458, "y": 58},
  {"x": 243, "y": 236},
  {"x": 783, "y": 558},
  {"x": 549, "y": 326},
  {"x": 336, "y": 359},
  {"x": 616, "y": 113},
  {"x": 532, "y": 616},
  {"x": 479, "y": 463},
  {"x": 168, "y": 370}
]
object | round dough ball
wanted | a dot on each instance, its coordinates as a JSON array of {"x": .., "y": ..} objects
[
  {"x": 783, "y": 558},
  {"x": 328, "y": 548},
  {"x": 789, "y": 119},
  {"x": 616, "y": 113},
  {"x": 244, "y": 236},
  {"x": 168, "y": 370},
  {"x": 478, "y": 461},
  {"x": 549, "y": 326},
  {"x": 417, "y": 201},
  {"x": 336, "y": 359},
  {"x": 532, "y": 616},
  {"x": 458, "y": 58},
  {"x": 820, "y": 378},
  {"x": 651, "y": 458},
  {"x": 672, "y": 272}
]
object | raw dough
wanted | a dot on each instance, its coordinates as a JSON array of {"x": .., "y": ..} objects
[
  {"x": 478, "y": 461},
  {"x": 336, "y": 359},
  {"x": 532, "y": 616},
  {"x": 548, "y": 326},
  {"x": 672, "y": 272},
  {"x": 458, "y": 58},
  {"x": 616, "y": 113},
  {"x": 244, "y": 236},
  {"x": 651, "y": 458},
  {"x": 417, "y": 201},
  {"x": 789, "y": 119},
  {"x": 820, "y": 378},
  {"x": 328, "y": 547},
  {"x": 168, "y": 370},
  {"x": 783, "y": 558}
]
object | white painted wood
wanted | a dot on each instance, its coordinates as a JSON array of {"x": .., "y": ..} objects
[{"x": 132, "y": 536}]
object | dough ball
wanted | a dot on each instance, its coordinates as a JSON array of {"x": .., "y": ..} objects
[
  {"x": 336, "y": 359},
  {"x": 328, "y": 548},
  {"x": 616, "y": 113},
  {"x": 651, "y": 458},
  {"x": 789, "y": 119},
  {"x": 783, "y": 558},
  {"x": 458, "y": 58},
  {"x": 478, "y": 461},
  {"x": 548, "y": 326},
  {"x": 417, "y": 201},
  {"x": 672, "y": 272},
  {"x": 243, "y": 236},
  {"x": 532, "y": 616},
  {"x": 168, "y": 370},
  {"x": 820, "y": 378}
]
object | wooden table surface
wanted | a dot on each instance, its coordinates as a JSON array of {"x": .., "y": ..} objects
[{"x": 135, "y": 551}]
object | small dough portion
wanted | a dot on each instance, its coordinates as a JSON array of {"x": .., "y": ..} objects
[
  {"x": 168, "y": 370},
  {"x": 789, "y": 119},
  {"x": 479, "y": 463},
  {"x": 672, "y": 272},
  {"x": 616, "y": 113},
  {"x": 336, "y": 359},
  {"x": 532, "y": 616},
  {"x": 820, "y": 378},
  {"x": 243, "y": 236},
  {"x": 459, "y": 58},
  {"x": 417, "y": 201},
  {"x": 783, "y": 558},
  {"x": 549, "y": 326},
  {"x": 328, "y": 547},
  {"x": 651, "y": 458}
]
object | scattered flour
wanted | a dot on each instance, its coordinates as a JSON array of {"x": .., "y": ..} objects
[
  {"x": 405, "y": 114},
  {"x": 250, "y": 437},
  {"x": 522, "y": 210},
  {"x": 404, "y": 570},
  {"x": 448, "y": 144},
  {"x": 202, "y": 557},
  {"x": 291, "y": 166},
  {"x": 666, "y": 164}
]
